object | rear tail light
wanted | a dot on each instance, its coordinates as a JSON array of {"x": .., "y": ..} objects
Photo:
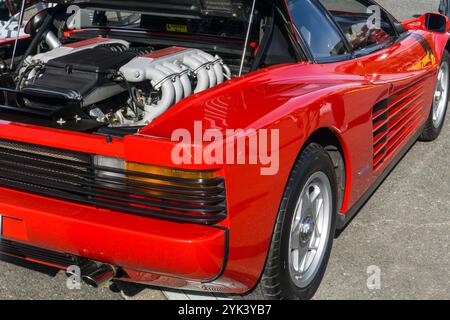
[{"x": 112, "y": 183}]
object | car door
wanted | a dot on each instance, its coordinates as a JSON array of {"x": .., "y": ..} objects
[
  {"x": 334, "y": 65},
  {"x": 402, "y": 61}
]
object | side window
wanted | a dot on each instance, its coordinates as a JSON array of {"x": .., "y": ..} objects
[
  {"x": 365, "y": 25},
  {"x": 318, "y": 32}
]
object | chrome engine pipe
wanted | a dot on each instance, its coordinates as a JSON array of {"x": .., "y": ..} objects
[
  {"x": 167, "y": 95},
  {"x": 227, "y": 71},
  {"x": 216, "y": 66},
  {"x": 52, "y": 40},
  {"x": 211, "y": 72},
  {"x": 184, "y": 79},
  {"x": 175, "y": 81},
  {"x": 202, "y": 75}
]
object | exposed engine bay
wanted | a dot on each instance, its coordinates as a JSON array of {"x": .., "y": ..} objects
[
  {"x": 114, "y": 83},
  {"x": 103, "y": 69}
]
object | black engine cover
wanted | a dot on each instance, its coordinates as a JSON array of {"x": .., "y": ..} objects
[
  {"x": 102, "y": 59},
  {"x": 67, "y": 81}
]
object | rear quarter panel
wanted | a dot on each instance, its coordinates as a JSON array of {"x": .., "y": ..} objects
[{"x": 297, "y": 100}]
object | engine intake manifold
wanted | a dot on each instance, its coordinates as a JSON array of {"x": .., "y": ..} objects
[{"x": 170, "y": 71}]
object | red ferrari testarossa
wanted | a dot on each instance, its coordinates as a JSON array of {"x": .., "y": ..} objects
[{"x": 98, "y": 104}]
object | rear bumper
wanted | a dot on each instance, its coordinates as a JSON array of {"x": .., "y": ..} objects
[
  {"x": 148, "y": 250},
  {"x": 139, "y": 244}
]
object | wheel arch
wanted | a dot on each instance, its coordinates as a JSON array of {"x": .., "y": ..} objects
[
  {"x": 447, "y": 46},
  {"x": 331, "y": 140}
]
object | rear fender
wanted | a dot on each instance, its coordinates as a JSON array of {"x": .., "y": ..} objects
[{"x": 441, "y": 43}]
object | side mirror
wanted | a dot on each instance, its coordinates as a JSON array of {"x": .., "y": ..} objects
[{"x": 435, "y": 22}]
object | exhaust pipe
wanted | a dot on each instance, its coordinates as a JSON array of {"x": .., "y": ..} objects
[{"x": 99, "y": 275}]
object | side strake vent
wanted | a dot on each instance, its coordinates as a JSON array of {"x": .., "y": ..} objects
[
  {"x": 180, "y": 195},
  {"x": 380, "y": 129},
  {"x": 394, "y": 120}
]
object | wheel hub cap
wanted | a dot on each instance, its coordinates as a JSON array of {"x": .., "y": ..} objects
[{"x": 306, "y": 230}]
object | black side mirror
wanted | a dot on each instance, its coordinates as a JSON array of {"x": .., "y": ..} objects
[{"x": 436, "y": 22}]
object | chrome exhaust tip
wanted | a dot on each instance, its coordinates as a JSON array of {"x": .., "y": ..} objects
[{"x": 100, "y": 275}]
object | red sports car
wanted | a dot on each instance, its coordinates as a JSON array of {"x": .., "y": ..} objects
[{"x": 208, "y": 145}]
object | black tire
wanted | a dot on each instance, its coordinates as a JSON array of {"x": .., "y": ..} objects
[
  {"x": 276, "y": 282},
  {"x": 431, "y": 132}
]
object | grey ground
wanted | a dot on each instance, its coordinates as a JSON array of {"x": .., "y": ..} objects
[{"x": 404, "y": 230}]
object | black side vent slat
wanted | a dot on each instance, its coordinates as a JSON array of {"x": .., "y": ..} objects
[
  {"x": 72, "y": 176},
  {"x": 379, "y": 122},
  {"x": 380, "y": 131},
  {"x": 380, "y": 106}
]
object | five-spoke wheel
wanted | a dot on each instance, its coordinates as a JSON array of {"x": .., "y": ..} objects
[
  {"x": 309, "y": 229},
  {"x": 441, "y": 95}
]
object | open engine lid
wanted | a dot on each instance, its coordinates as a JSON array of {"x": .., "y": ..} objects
[{"x": 238, "y": 9}]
